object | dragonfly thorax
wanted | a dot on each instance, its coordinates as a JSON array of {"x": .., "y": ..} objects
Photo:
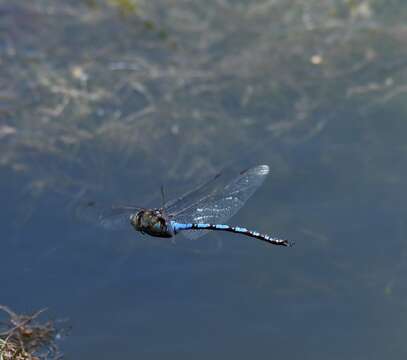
[{"x": 152, "y": 222}]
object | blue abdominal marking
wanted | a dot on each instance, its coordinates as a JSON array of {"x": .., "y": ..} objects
[
  {"x": 194, "y": 213},
  {"x": 234, "y": 229}
]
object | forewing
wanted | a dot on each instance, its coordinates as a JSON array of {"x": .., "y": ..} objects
[
  {"x": 217, "y": 207},
  {"x": 190, "y": 198}
]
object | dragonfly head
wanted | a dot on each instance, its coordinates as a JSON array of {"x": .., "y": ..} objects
[{"x": 133, "y": 219}]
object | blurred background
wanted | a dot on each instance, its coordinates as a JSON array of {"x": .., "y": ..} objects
[{"x": 114, "y": 98}]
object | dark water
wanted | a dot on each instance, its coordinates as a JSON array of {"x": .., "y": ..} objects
[{"x": 112, "y": 100}]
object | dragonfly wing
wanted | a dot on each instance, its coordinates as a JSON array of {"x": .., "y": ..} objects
[
  {"x": 190, "y": 198},
  {"x": 194, "y": 234},
  {"x": 221, "y": 204},
  {"x": 107, "y": 217}
]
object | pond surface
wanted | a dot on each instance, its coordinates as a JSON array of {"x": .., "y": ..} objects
[{"x": 109, "y": 100}]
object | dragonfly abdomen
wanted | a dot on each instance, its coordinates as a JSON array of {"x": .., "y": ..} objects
[{"x": 234, "y": 229}]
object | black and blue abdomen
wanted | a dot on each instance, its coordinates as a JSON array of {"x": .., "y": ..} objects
[{"x": 234, "y": 229}]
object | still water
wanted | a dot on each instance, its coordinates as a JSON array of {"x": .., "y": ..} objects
[{"x": 109, "y": 100}]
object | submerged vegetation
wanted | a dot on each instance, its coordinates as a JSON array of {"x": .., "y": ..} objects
[
  {"x": 294, "y": 68},
  {"x": 126, "y": 6}
]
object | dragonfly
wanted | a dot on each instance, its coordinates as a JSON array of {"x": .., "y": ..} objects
[{"x": 193, "y": 214}]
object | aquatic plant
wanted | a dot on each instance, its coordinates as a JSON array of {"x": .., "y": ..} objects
[
  {"x": 126, "y": 7},
  {"x": 24, "y": 337}
]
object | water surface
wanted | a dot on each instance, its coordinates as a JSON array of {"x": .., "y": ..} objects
[{"x": 112, "y": 101}]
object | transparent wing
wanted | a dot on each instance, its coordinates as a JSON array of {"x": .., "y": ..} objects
[
  {"x": 219, "y": 205},
  {"x": 190, "y": 198},
  {"x": 107, "y": 217}
]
